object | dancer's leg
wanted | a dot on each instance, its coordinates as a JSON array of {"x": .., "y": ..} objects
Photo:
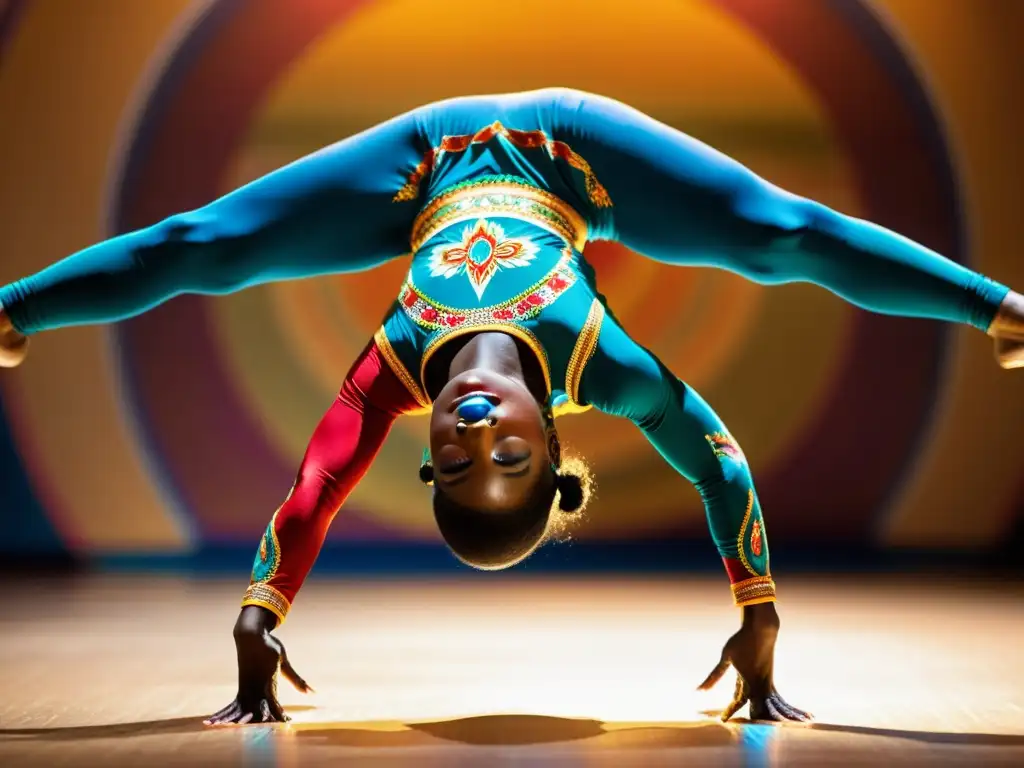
[
  {"x": 330, "y": 212},
  {"x": 676, "y": 200}
]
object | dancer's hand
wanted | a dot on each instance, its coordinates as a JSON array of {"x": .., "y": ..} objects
[
  {"x": 752, "y": 652},
  {"x": 13, "y": 345},
  {"x": 260, "y": 656}
]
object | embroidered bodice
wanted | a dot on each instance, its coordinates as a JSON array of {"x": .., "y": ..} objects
[{"x": 497, "y": 253}]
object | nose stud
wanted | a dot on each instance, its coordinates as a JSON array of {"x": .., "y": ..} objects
[{"x": 475, "y": 409}]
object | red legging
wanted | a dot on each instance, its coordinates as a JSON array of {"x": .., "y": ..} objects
[{"x": 342, "y": 448}]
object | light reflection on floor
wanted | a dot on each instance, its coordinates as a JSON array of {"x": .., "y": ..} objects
[{"x": 492, "y": 670}]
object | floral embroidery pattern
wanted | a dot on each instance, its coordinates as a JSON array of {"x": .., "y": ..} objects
[
  {"x": 725, "y": 447},
  {"x": 429, "y": 314},
  {"x": 268, "y": 557},
  {"x": 483, "y": 250},
  {"x": 521, "y": 139},
  {"x": 751, "y": 518}
]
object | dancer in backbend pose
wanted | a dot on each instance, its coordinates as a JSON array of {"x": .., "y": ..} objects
[{"x": 499, "y": 327}]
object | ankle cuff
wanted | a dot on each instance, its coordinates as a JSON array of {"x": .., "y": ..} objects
[
  {"x": 760, "y": 589},
  {"x": 267, "y": 597}
]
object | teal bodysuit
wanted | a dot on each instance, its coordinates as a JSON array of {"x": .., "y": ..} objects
[
  {"x": 497, "y": 252},
  {"x": 496, "y": 196}
]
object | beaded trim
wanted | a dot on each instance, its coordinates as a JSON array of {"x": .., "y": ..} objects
[
  {"x": 380, "y": 338},
  {"x": 586, "y": 345},
  {"x": 522, "y": 139},
  {"x": 760, "y": 589},
  {"x": 504, "y": 196},
  {"x": 267, "y": 597}
]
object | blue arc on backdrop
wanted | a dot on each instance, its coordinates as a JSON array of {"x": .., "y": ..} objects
[{"x": 475, "y": 409}]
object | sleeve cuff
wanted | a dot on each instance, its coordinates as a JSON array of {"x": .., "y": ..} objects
[
  {"x": 760, "y": 589},
  {"x": 267, "y": 597}
]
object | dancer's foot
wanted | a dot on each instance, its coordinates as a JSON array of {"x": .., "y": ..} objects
[
  {"x": 1009, "y": 353},
  {"x": 13, "y": 345},
  {"x": 1008, "y": 331}
]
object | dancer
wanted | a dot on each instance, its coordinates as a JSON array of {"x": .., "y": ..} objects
[{"x": 498, "y": 326}]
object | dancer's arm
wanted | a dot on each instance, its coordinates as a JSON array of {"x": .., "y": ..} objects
[
  {"x": 332, "y": 211},
  {"x": 676, "y": 200},
  {"x": 342, "y": 448},
  {"x": 623, "y": 379},
  {"x": 340, "y": 452}
]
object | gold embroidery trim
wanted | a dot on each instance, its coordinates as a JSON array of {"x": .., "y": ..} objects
[
  {"x": 586, "y": 345},
  {"x": 595, "y": 190},
  {"x": 503, "y": 198},
  {"x": 741, "y": 538},
  {"x": 760, "y": 589},
  {"x": 478, "y": 207},
  {"x": 522, "y": 139},
  {"x": 511, "y": 329},
  {"x": 568, "y": 408},
  {"x": 267, "y": 597},
  {"x": 380, "y": 338}
]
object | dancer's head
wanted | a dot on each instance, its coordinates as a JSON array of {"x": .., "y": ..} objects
[{"x": 497, "y": 470}]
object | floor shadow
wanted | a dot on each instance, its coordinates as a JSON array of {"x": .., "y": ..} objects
[
  {"x": 113, "y": 731},
  {"x": 521, "y": 730},
  {"x": 504, "y": 730},
  {"x": 511, "y": 729},
  {"x": 170, "y": 726}
]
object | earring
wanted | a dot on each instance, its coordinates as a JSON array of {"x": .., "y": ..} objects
[
  {"x": 548, "y": 414},
  {"x": 554, "y": 451},
  {"x": 426, "y": 468}
]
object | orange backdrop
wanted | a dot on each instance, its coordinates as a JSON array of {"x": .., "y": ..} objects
[{"x": 117, "y": 112}]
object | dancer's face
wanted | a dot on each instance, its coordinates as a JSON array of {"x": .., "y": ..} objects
[{"x": 490, "y": 442}]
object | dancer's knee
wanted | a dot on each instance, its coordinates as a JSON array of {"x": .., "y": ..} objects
[{"x": 210, "y": 264}]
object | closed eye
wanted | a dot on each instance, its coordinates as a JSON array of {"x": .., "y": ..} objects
[
  {"x": 510, "y": 460},
  {"x": 453, "y": 468}
]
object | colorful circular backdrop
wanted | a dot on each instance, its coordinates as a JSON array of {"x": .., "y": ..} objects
[{"x": 836, "y": 408}]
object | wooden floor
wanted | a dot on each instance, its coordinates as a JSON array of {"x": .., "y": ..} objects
[{"x": 493, "y": 671}]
